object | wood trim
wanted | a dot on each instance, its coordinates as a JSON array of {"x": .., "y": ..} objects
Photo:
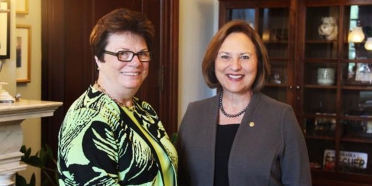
[{"x": 171, "y": 73}]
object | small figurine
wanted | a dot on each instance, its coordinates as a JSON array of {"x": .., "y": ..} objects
[{"x": 328, "y": 29}]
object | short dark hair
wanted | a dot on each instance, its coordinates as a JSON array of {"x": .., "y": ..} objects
[
  {"x": 120, "y": 21},
  {"x": 234, "y": 26}
]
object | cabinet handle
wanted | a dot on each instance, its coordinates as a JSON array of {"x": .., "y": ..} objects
[
  {"x": 290, "y": 87},
  {"x": 298, "y": 87}
]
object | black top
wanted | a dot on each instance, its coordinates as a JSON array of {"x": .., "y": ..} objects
[{"x": 224, "y": 140}]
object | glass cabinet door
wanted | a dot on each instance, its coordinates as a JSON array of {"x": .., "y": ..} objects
[
  {"x": 337, "y": 91},
  {"x": 274, "y": 27},
  {"x": 356, "y": 91},
  {"x": 272, "y": 24}
]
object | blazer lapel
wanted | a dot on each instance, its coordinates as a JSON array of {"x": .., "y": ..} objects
[{"x": 211, "y": 122}]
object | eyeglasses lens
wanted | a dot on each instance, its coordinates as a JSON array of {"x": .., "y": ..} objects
[{"x": 129, "y": 55}]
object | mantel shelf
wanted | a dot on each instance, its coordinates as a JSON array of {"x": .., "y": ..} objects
[
  {"x": 25, "y": 109},
  {"x": 11, "y": 134}
]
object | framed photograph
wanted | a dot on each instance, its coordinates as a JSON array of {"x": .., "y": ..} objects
[
  {"x": 4, "y": 30},
  {"x": 22, "y": 6},
  {"x": 23, "y": 53}
]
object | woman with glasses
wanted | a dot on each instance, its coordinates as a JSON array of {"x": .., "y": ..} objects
[{"x": 108, "y": 136}]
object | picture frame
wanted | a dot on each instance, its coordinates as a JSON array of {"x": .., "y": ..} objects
[
  {"x": 359, "y": 74},
  {"x": 23, "y": 53},
  {"x": 4, "y": 29},
  {"x": 22, "y": 6}
]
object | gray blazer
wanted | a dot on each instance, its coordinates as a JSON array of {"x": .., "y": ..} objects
[{"x": 271, "y": 153}]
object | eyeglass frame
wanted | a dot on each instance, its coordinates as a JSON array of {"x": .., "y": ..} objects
[{"x": 134, "y": 54}]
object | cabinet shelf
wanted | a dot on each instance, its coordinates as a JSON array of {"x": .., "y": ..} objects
[
  {"x": 319, "y": 115},
  {"x": 276, "y": 59},
  {"x": 356, "y": 118},
  {"x": 339, "y": 178},
  {"x": 357, "y": 87},
  {"x": 357, "y": 139},
  {"x": 320, "y": 60},
  {"x": 320, "y": 137},
  {"x": 276, "y": 85},
  {"x": 319, "y": 41},
  {"x": 320, "y": 86},
  {"x": 353, "y": 60},
  {"x": 276, "y": 42}
]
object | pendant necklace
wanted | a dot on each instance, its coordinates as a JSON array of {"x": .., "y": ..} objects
[
  {"x": 131, "y": 108},
  {"x": 230, "y": 115}
]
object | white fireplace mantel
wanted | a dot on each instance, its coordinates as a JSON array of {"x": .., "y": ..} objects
[{"x": 11, "y": 134}]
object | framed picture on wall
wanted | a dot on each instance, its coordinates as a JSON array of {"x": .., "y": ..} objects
[
  {"x": 22, "y": 6},
  {"x": 4, "y": 30},
  {"x": 23, "y": 53}
]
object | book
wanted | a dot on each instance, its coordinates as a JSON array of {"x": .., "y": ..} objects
[{"x": 347, "y": 159}]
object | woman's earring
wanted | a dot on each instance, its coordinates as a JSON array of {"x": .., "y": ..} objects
[{"x": 98, "y": 68}]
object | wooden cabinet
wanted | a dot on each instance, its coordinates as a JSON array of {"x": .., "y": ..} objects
[{"x": 323, "y": 73}]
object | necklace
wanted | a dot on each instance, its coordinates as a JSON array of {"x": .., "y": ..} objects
[
  {"x": 131, "y": 108},
  {"x": 230, "y": 115}
]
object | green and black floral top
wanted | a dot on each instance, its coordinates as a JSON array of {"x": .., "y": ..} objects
[{"x": 101, "y": 143}]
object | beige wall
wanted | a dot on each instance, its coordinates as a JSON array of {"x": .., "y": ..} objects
[
  {"x": 32, "y": 90},
  {"x": 196, "y": 30},
  {"x": 32, "y": 127}
]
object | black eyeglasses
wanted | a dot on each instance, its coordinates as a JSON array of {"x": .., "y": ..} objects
[{"x": 127, "y": 56}]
